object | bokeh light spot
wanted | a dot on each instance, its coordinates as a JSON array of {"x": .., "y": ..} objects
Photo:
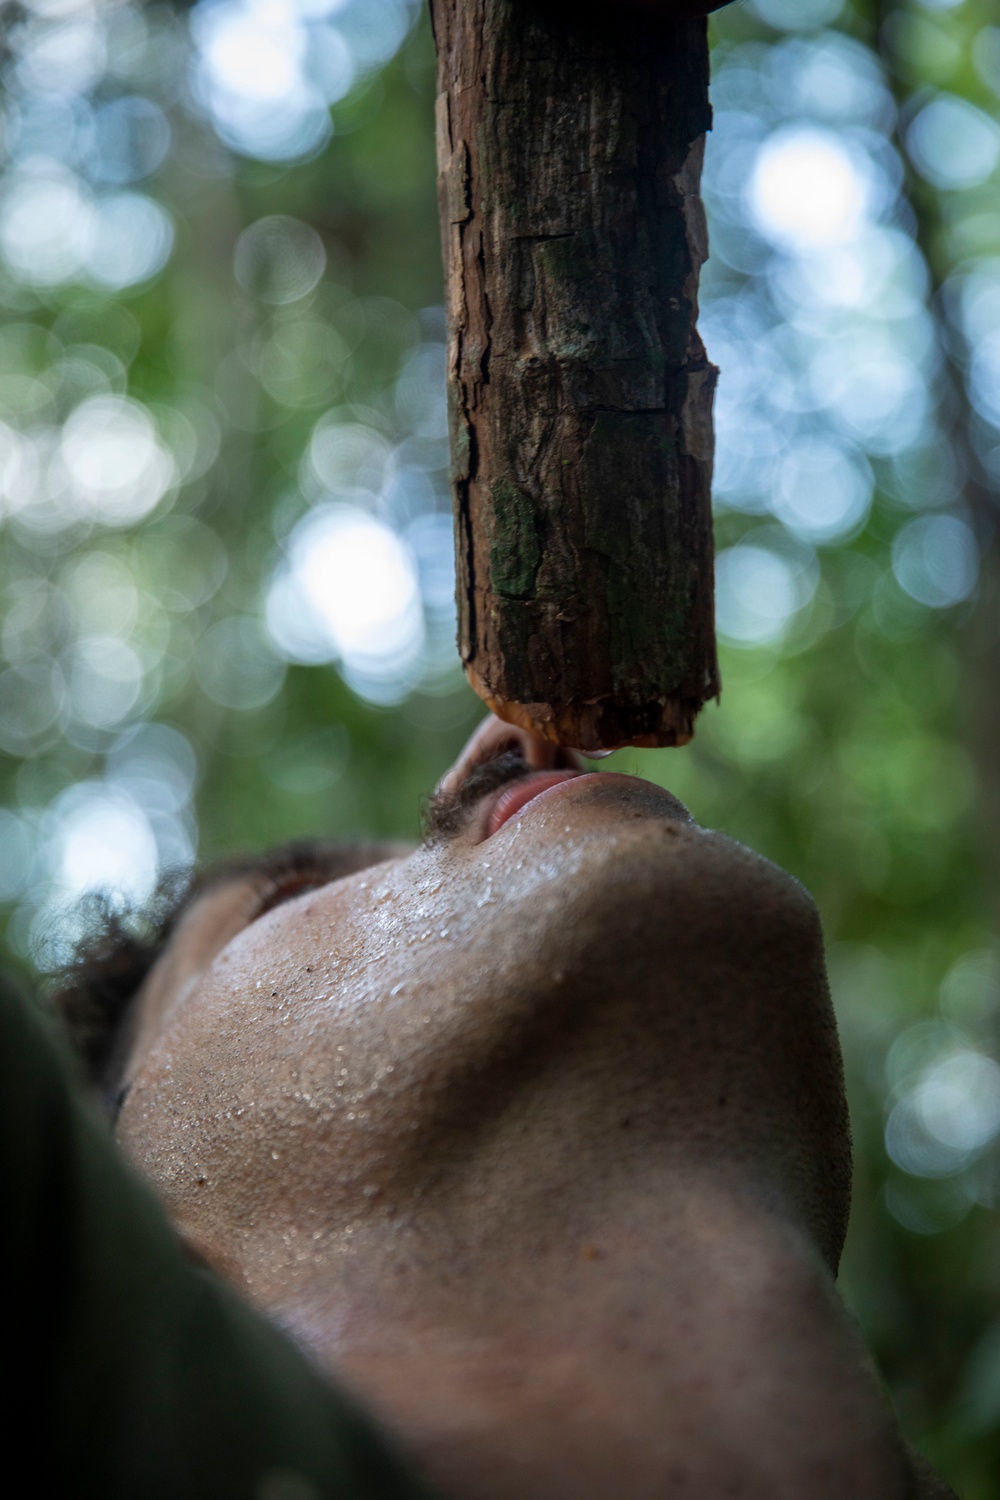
[
  {"x": 118, "y": 468},
  {"x": 104, "y": 680},
  {"x": 797, "y": 15},
  {"x": 131, "y": 237},
  {"x": 757, "y": 593},
  {"x": 349, "y": 591},
  {"x": 347, "y": 456},
  {"x": 953, "y": 144},
  {"x": 129, "y": 139},
  {"x": 948, "y": 1116},
  {"x": 936, "y": 560},
  {"x": 235, "y": 665},
  {"x": 46, "y": 226},
  {"x": 103, "y": 842},
  {"x": 279, "y": 259},
  {"x": 808, "y": 189},
  {"x": 823, "y": 493}
]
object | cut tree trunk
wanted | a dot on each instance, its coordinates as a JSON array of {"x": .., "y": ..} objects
[{"x": 580, "y": 396}]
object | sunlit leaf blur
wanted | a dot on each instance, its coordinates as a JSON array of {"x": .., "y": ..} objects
[{"x": 226, "y": 581}]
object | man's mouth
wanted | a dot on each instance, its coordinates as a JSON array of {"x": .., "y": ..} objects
[
  {"x": 500, "y": 788},
  {"x": 511, "y": 799},
  {"x": 638, "y": 794}
]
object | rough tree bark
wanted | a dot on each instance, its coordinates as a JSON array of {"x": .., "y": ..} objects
[{"x": 569, "y": 153}]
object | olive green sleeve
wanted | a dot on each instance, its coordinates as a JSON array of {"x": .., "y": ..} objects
[{"x": 135, "y": 1373}]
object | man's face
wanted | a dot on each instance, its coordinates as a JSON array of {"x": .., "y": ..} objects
[{"x": 320, "y": 1048}]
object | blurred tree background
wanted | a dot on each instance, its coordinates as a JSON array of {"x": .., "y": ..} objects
[{"x": 226, "y": 576}]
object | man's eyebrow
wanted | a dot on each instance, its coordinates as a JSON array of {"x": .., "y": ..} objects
[
  {"x": 318, "y": 861},
  {"x": 334, "y": 857},
  {"x": 269, "y": 862}
]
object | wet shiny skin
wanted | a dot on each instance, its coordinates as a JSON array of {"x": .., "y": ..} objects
[{"x": 538, "y": 1140}]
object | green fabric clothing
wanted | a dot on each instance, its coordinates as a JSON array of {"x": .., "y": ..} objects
[{"x": 136, "y": 1373}]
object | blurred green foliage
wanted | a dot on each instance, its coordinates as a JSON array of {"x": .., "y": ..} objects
[{"x": 224, "y": 583}]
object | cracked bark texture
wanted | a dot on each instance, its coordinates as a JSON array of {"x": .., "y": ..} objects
[{"x": 580, "y": 396}]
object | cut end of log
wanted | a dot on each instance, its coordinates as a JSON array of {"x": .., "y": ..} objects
[{"x": 601, "y": 725}]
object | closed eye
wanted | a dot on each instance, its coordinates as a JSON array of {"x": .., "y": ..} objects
[
  {"x": 295, "y": 869},
  {"x": 286, "y": 889}
]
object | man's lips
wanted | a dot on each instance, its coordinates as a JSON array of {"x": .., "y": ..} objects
[
  {"x": 512, "y": 798},
  {"x": 515, "y": 797}
]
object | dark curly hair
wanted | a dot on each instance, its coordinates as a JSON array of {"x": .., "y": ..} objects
[{"x": 91, "y": 993}]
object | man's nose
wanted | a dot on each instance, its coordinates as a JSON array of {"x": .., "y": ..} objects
[{"x": 493, "y": 738}]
